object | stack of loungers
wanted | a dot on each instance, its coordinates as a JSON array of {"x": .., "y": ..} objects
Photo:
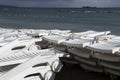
[
  {"x": 22, "y": 59},
  {"x": 95, "y": 51}
]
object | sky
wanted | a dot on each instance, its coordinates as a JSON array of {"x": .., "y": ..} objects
[{"x": 61, "y": 3}]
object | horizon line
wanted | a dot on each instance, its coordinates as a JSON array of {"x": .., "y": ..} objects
[{"x": 55, "y": 7}]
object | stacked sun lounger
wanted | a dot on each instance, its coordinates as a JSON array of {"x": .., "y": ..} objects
[
  {"x": 95, "y": 51},
  {"x": 107, "y": 52},
  {"x": 48, "y": 60},
  {"x": 35, "y": 54},
  {"x": 22, "y": 59}
]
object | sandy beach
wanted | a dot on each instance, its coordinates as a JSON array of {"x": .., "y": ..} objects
[{"x": 77, "y": 73}]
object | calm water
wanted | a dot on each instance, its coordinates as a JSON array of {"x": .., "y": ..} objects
[{"x": 74, "y": 19}]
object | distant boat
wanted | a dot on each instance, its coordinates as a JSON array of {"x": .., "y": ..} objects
[{"x": 86, "y": 7}]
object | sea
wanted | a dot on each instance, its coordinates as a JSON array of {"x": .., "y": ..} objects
[{"x": 74, "y": 19}]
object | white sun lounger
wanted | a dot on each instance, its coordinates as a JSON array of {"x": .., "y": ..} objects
[
  {"x": 78, "y": 43},
  {"x": 91, "y": 34},
  {"x": 86, "y": 38},
  {"x": 22, "y": 56},
  {"x": 105, "y": 47},
  {"x": 38, "y": 66},
  {"x": 55, "y": 39},
  {"x": 16, "y": 43},
  {"x": 58, "y": 39}
]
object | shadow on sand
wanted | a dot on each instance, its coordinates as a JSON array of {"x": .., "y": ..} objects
[{"x": 77, "y": 73}]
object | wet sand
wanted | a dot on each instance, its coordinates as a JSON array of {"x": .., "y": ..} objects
[{"x": 77, "y": 73}]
